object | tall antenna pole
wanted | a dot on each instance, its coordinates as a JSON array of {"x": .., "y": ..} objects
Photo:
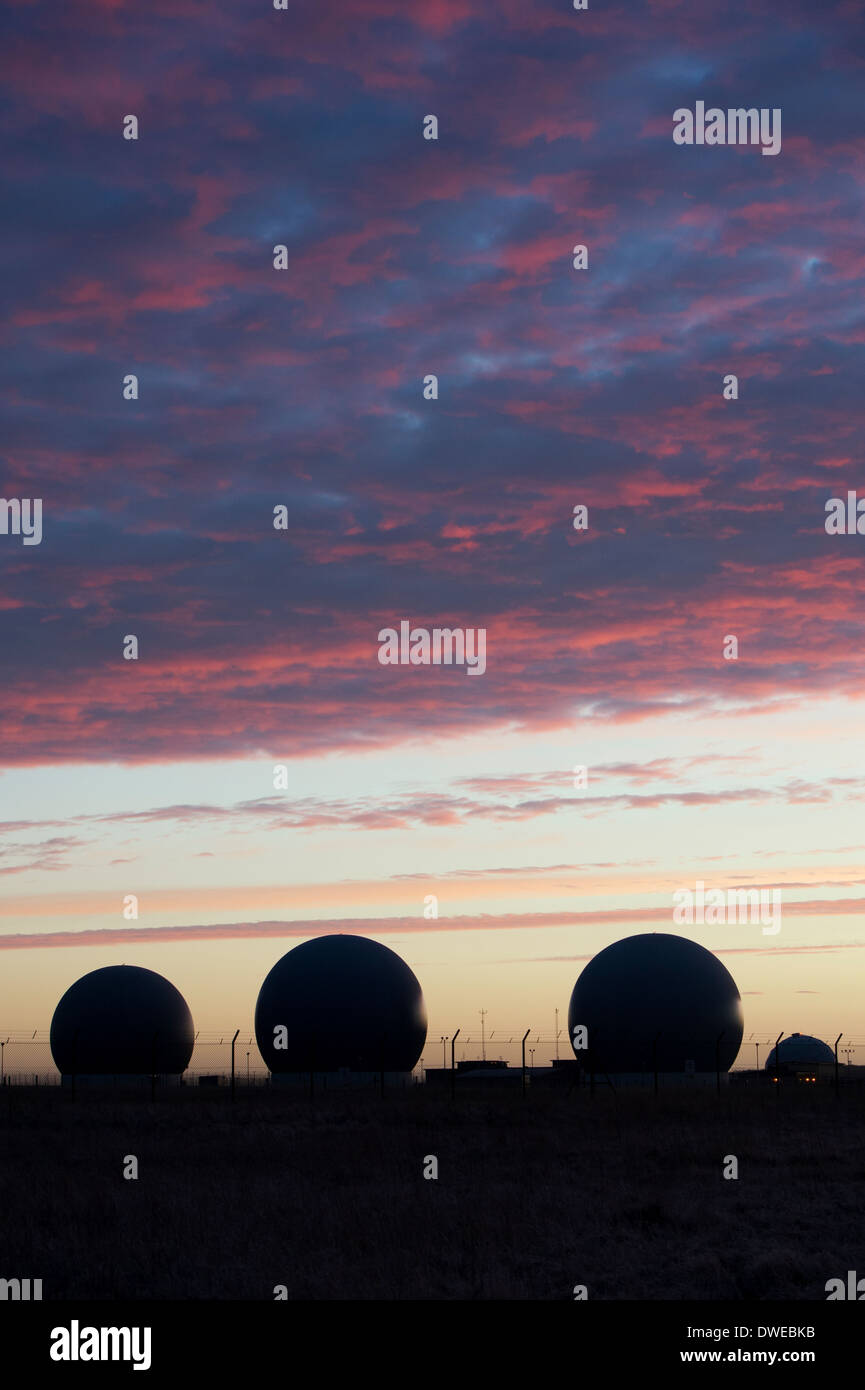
[
  {"x": 557, "y": 1035},
  {"x": 483, "y": 1014}
]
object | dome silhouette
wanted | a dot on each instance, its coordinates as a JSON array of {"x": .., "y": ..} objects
[
  {"x": 344, "y": 1001},
  {"x": 656, "y": 999},
  {"x": 122, "y": 1020},
  {"x": 800, "y": 1050}
]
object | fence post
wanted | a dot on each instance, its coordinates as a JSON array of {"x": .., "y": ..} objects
[
  {"x": 453, "y": 1071},
  {"x": 233, "y": 1041}
]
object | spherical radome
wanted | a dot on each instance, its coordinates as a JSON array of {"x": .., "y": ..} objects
[
  {"x": 122, "y": 1020},
  {"x": 656, "y": 1000},
  {"x": 345, "y": 1001},
  {"x": 800, "y": 1050}
]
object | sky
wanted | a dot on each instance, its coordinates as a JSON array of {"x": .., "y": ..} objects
[{"x": 303, "y": 388}]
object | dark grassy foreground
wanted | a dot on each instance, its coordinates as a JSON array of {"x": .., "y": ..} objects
[{"x": 623, "y": 1194}]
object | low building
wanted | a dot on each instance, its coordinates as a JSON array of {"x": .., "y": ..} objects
[{"x": 803, "y": 1059}]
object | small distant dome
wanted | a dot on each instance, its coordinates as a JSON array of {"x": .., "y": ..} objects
[
  {"x": 119, "y": 1021},
  {"x": 800, "y": 1050},
  {"x": 344, "y": 1001}
]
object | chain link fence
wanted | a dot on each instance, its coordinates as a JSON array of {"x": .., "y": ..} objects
[{"x": 25, "y": 1057}]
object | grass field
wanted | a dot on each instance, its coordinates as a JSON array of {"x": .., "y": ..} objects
[{"x": 624, "y": 1194}]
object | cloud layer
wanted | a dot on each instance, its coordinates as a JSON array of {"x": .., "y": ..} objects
[{"x": 408, "y": 257}]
